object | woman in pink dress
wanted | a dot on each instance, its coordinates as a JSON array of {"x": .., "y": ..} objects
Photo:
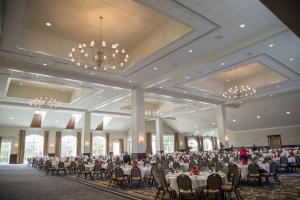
[{"x": 244, "y": 155}]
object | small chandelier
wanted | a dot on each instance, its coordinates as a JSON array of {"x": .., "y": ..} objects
[
  {"x": 96, "y": 56},
  {"x": 238, "y": 91},
  {"x": 151, "y": 114},
  {"x": 44, "y": 103}
]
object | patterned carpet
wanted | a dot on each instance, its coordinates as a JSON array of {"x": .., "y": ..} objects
[{"x": 288, "y": 189}]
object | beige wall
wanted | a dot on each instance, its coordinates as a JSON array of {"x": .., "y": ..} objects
[{"x": 290, "y": 135}]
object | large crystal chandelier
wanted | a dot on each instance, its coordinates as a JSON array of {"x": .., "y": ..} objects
[
  {"x": 97, "y": 56},
  {"x": 238, "y": 91},
  {"x": 44, "y": 103}
]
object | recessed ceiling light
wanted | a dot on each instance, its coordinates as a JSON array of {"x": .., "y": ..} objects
[
  {"x": 130, "y": 81},
  {"x": 56, "y": 121},
  {"x": 20, "y": 83},
  {"x": 258, "y": 117},
  {"x": 271, "y": 95},
  {"x": 213, "y": 123},
  {"x": 160, "y": 87},
  {"x": 222, "y": 64},
  {"x": 48, "y": 24},
  {"x": 92, "y": 73},
  {"x": 11, "y": 118},
  {"x": 45, "y": 64},
  {"x": 291, "y": 59},
  {"x": 195, "y": 126},
  {"x": 271, "y": 45},
  {"x": 288, "y": 112},
  {"x": 187, "y": 77},
  {"x": 185, "y": 92},
  {"x": 191, "y": 51},
  {"x": 278, "y": 86},
  {"x": 228, "y": 80},
  {"x": 155, "y": 68},
  {"x": 242, "y": 26},
  {"x": 234, "y": 120}
]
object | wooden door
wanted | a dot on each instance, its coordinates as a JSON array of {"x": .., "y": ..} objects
[{"x": 274, "y": 141}]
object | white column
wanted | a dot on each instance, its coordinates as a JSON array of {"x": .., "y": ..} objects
[
  {"x": 221, "y": 123},
  {"x": 138, "y": 133},
  {"x": 86, "y": 130},
  {"x": 159, "y": 129}
]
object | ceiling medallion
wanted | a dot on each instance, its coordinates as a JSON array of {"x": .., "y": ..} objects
[
  {"x": 238, "y": 91},
  {"x": 97, "y": 56},
  {"x": 44, "y": 103}
]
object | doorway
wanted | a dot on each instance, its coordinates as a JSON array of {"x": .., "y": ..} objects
[{"x": 274, "y": 141}]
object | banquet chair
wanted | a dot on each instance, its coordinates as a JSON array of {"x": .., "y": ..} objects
[
  {"x": 272, "y": 173},
  {"x": 225, "y": 170},
  {"x": 294, "y": 165},
  {"x": 164, "y": 187},
  {"x": 231, "y": 168},
  {"x": 176, "y": 165},
  {"x": 119, "y": 178},
  {"x": 96, "y": 171},
  {"x": 149, "y": 178},
  {"x": 226, "y": 159},
  {"x": 136, "y": 176},
  {"x": 40, "y": 164},
  {"x": 185, "y": 188},
  {"x": 283, "y": 163},
  {"x": 254, "y": 174},
  {"x": 72, "y": 168},
  {"x": 61, "y": 167},
  {"x": 232, "y": 186},
  {"x": 201, "y": 163},
  {"x": 50, "y": 167},
  {"x": 81, "y": 170},
  {"x": 213, "y": 187}
]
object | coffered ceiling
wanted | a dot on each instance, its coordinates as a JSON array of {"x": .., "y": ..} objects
[{"x": 195, "y": 49}]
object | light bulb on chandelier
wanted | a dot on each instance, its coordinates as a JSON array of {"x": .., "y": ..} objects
[
  {"x": 44, "y": 103},
  {"x": 97, "y": 56}
]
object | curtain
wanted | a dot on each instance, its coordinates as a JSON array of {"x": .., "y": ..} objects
[
  {"x": 176, "y": 141},
  {"x": 58, "y": 144},
  {"x": 0, "y": 143},
  {"x": 186, "y": 143},
  {"x": 149, "y": 142},
  {"x": 200, "y": 143},
  {"x": 46, "y": 142},
  {"x": 107, "y": 143},
  {"x": 121, "y": 145},
  {"x": 216, "y": 143},
  {"x": 91, "y": 143},
  {"x": 78, "y": 149},
  {"x": 21, "y": 146}
]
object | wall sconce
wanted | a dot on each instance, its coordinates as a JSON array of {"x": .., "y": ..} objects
[
  {"x": 141, "y": 139},
  {"x": 87, "y": 143},
  {"x": 51, "y": 145},
  {"x": 180, "y": 143},
  {"x": 226, "y": 138},
  {"x": 16, "y": 145}
]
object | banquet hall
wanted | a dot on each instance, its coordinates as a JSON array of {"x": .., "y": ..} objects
[{"x": 149, "y": 99}]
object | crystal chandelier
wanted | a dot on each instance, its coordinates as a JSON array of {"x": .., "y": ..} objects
[
  {"x": 44, "y": 103},
  {"x": 238, "y": 91},
  {"x": 151, "y": 114},
  {"x": 97, "y": 56}
]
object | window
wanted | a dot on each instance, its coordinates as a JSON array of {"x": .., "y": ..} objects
[
  {"x": 116, "y": 148},
  {"x": 168, "y": 143},
  {"x": 34, "y": 146},
  {"x": 193, "y": 144},
  {"x": 129, "y": 145},
  {"x": 68, "y": 146},
  {"x": 153, "y": 143},
  {"x": 99, "y": 145},
  {"x": 5, "y": 152},
  {"x": 207, "y": 144}
]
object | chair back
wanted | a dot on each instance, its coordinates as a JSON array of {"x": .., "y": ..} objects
[
  {"x": 201, "y": 163},
  {"x": 236, "y": 178},
  {"x": 214, "y": 181},
  {"x": 273, "y": 168},
  {"x": 253, "y": 168},
  {"x": 226, "y": 159},
  {"x": 162, "y": 180},
  {"x": 284, "y": 160},
  {"x": 225, "y": 170},
  {"x": 176, "y": 165},
  {"x": 97, "y": 167},
  {"x": 232, "y": 167},
  {"x": 72, "y": 164},
  {"x": 81, "y": 167},
  {"x": 119, "y": 172},
  {"x": 61, "y": 164},
  {"x": 136, "y": 173},
  {"x": 155, "y": 177},
  {"x": 184, "y": 183}
]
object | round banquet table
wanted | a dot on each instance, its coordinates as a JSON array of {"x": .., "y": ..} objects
[
  {"x": 145, "y": 171},
  {"x": 245, "y": 171},
  {"x": 89, "y": 167},
  {"x": 197, "y": 180}
]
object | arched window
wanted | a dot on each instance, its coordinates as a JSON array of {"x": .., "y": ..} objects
[
  {"x": 193, "y": 144},
  {"x": 68, "y": 146},
  {"x": 99, "y": 145},
  {"x": 168, "y": 143},
  {"x": 207, "y": 144},
  {"x": 34, "y": 146}
]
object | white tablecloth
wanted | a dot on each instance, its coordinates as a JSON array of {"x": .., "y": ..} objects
[
  {"x": 89, "y": 167},
  {"x": 197, "y": 180},
  {"x": 245, "y": 171},
  {"x": 145, "y": 171}
]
